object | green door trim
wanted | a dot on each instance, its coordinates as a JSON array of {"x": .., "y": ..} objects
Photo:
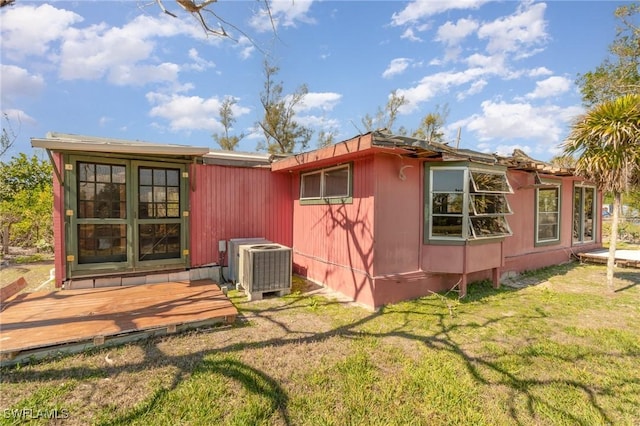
[{"x": 132, "y": 264}]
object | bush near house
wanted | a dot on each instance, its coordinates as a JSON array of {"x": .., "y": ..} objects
[{"x": 628, "y": 231}]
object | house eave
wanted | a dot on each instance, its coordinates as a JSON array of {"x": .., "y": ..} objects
[
  {"x": 60, "y": 142},
  {"x": 237, "y": 159}
]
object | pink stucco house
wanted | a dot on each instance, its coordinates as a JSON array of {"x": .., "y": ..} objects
[{"x": 379, "y": 218}]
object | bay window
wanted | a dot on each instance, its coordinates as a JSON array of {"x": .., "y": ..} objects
[{"x": 466, "y": 204}]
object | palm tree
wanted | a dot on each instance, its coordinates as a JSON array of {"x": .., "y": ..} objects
[{"x": 606, "y": 140}]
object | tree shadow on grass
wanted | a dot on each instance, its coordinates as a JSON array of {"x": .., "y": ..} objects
[
  {"x": 445, "y": 333},
  {"x": 251, "y": 379},
  {"x": 633, "y": 278}
]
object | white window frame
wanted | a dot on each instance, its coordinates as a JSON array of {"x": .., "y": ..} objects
[
  {"x": 322, "y": 173},
  {"x": 548, "y": 184},
  {"x": 580, "y": 239},
  {"x": 469, "y": 214}
]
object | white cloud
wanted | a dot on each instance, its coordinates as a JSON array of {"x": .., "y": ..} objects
[
  {"x": 246, "y": 47},
  {"x": 104, "y": 120},
  {"x": 552, "y": 86},
  {"x": 435, "y": 84},
  {"x": 29, "y": 30},
  {"x": 503, "y": 121},
  {"x": 189, "y": 112},
  {"x": 319, "y": 122},
  {"x": 325, "y": 101},
  {"x": 515, "y": 33},
  {"x": 507, "y": 150},
  {"x": 420, "y": 9},
  {"x": 540, "y": 71},
  {"x": 475, "y": 88},
  {"x": 16, "y": 82},
  {"x": 452, "y": 34},
  {"x": 119, "y": 53},
  {"x": 396, "y": 66},
  {"x": 408, "y": 34},
  {"x": 199, "y": 63},
  {"x": 124, "y": 75},
  {"x": 17, "y": 117},
  {"x": 285, "y": 13}
]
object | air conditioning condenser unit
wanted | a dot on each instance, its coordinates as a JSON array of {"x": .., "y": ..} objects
[
  {"x": 234, "y": 254},
  {"x": 265, "y": 268}
]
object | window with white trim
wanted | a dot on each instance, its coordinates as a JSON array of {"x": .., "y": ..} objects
[
  {"x": 467, "y": 204},
  {"x": 548, "y": 212},
  {"x": 584, "y": 213},
  {"x": 329, "y": 183}
]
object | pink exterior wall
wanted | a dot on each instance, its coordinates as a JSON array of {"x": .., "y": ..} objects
[
  {"x": 235, "y": 202},
  {"x": 333, "y": 244},
  {"x": 58, "y": 223},
  {"x": 404, "y": 267},
  {"x": 520, "y": 250},
  {"x": 398, "y": 214},
  {"x": 373, "y": 251}
]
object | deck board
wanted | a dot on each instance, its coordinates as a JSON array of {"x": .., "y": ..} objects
[
  {"x": 46, "y": 319},
  {"x": 623, "y": 258}
]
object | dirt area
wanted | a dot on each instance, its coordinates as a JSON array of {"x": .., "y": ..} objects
[{"x": 36, "y": 268}]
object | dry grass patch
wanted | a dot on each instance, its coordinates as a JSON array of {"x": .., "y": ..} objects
[{"x": 544, "y": 354}]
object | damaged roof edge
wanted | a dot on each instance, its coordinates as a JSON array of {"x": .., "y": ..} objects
[
  {"x": 519, "y": 160},
  {"x": 425, "y": 149}
]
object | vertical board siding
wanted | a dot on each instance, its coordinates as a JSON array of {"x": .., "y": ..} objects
[
  {"x": 398, "y": 213},
  {"x": 333, "y": 243},
  {"x": 236, "y": 202}
]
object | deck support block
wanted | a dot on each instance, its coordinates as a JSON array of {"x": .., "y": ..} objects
[
  {"x": 98, "y": 341},
  {"x": 463, "y": 286},
  {"x": 495, "y": 277},
  {"x": 172, "y": 328}
]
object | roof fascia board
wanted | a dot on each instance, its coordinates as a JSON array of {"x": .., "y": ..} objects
[
  {"x": 331, "y": 154},
  {"x": 117, "y": 146}
]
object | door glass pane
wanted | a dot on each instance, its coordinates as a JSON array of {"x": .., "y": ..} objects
[
  {"x": 102, "y": 243},
  {"x": 103, "y": 173},
  {"x": 145, "y": 177},
  {"x": 159, "y": 241},
  {"x": 159, "y": 177},
  {"x": 173, "y": 177},
  {"x": 101, "y": 191},
  {"x": 159, "y": 193}
]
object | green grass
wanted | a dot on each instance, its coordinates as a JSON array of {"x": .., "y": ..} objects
[{"x": 560, "y": 352}]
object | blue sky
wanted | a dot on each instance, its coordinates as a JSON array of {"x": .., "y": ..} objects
[{"x": 123, "y": 69}]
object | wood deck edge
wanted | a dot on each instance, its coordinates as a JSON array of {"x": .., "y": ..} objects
[
  {"x": 622, "y": 263},
  {"x": 7, "y": 292},
  {"x": 12, "y": 358}
]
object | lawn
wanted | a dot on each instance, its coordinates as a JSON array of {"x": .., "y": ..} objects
[{"x": 560, "y": 351}]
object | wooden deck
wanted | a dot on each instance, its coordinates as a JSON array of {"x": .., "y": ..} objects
[
  {"x": 624, "y": 258},
  {"x": 34, "y": 325}
]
